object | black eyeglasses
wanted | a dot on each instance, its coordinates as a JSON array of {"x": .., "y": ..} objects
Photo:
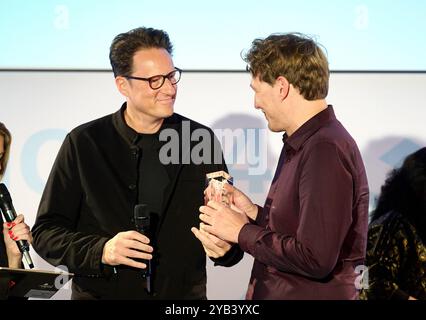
[{"x": 156, "y": 82}]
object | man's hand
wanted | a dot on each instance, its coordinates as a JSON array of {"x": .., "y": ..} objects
[
  {"x": 239, "y": 200},
  {"x": 213, "y": 246},
  {"x": 242, "y": 202},
  {"x": 222, "y": 221},
  {"x": 125, "y": 246}
]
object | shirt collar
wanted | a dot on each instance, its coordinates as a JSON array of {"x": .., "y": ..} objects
[
  {"x": 130, "y": 135},
  {"x": 296, "y": 140}
]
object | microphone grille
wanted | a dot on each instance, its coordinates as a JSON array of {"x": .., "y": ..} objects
[
  {"x": 3, "y": 189},
  {"x": 141, "y": 216},
  {"x": 4, "y": 193}
]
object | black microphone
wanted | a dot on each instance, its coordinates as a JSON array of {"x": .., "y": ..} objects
[
  {"x": 143, "y": 225},
  {"x": 9, "y": 214}
]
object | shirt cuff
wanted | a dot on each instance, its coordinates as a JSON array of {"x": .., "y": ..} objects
[
  {"x": 259, "y": 215},
  {"x": 232, "y": 257},
  {"x": 96, "y": 261},
  {"x": 248, "y": 237}
]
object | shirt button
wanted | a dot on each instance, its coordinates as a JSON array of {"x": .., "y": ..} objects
[
  {"x": 132, "y": 187},
  {"x": 135, "y": 151}
]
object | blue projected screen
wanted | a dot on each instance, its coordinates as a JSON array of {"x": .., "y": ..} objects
[{"x": 377, "y": 35}]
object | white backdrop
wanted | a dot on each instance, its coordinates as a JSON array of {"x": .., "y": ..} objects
[
  {"x": 76, "y": 34},
  {"x": 384, "y": 112}
]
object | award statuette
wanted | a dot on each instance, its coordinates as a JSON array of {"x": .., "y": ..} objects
[{"x": 216, "y": 191}]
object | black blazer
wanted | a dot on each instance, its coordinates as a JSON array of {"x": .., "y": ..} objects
[{"x": 90, "y": 196}]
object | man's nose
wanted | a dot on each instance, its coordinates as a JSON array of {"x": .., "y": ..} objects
[{"x": 169, "y": 87}]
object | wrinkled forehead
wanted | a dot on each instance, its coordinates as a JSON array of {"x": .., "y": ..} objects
[
  {"x": 257, "y": 84},
  {"x": 152, "y": 61}
]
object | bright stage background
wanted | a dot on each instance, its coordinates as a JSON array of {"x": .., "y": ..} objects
[{"x": 209, "y": 35}]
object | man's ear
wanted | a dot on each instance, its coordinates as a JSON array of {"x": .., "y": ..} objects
[
  {"x": 122, "y": 85},
  {"x": 283, "y": 86}
]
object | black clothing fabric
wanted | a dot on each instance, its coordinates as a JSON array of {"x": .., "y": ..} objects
[
  {"x": 3, "y": 254},
  {"x": 153, "y": 176},
  {"x": 396, "y": 260},
  {"x": 5, "y": 280},
  {"x": 90, "y": 197},
  {"x": 4, "y": 283}
]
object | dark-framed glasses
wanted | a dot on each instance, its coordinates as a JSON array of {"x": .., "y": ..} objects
[{"x": 156, "y": 82}]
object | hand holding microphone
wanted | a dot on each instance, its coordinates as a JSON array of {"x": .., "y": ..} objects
[
  {"x": 12, "y": 232},
  {"x": 143, "y": 225},
  {"x": 14, "y": 229},
  {"x": 130, "y": 248},
  {"x": 125, "y": 248}
]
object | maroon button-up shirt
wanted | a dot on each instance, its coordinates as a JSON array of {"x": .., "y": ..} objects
[{"x": 311, "y": 233}]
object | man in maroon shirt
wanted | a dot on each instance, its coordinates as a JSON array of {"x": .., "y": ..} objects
[{"x": 311, "y": 233}]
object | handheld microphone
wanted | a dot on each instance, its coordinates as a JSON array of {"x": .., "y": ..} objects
[
  {"x": 143, "y": 225},
  {"x": 9, "y": 213}
]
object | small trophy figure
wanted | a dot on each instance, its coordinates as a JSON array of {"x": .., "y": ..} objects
[{"x": 216, "y": 191}]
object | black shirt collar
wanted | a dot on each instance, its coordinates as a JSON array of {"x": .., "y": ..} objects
[{"x": 130, "y": 135}]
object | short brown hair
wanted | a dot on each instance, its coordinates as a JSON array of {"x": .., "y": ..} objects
[
  {"x": 7, "y": 141},
  {"x": 294, "y": 56},
  {"x": 125, "y": 45}
]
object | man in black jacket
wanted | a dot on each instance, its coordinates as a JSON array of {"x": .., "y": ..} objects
[{"x": 142, "y": 154}]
